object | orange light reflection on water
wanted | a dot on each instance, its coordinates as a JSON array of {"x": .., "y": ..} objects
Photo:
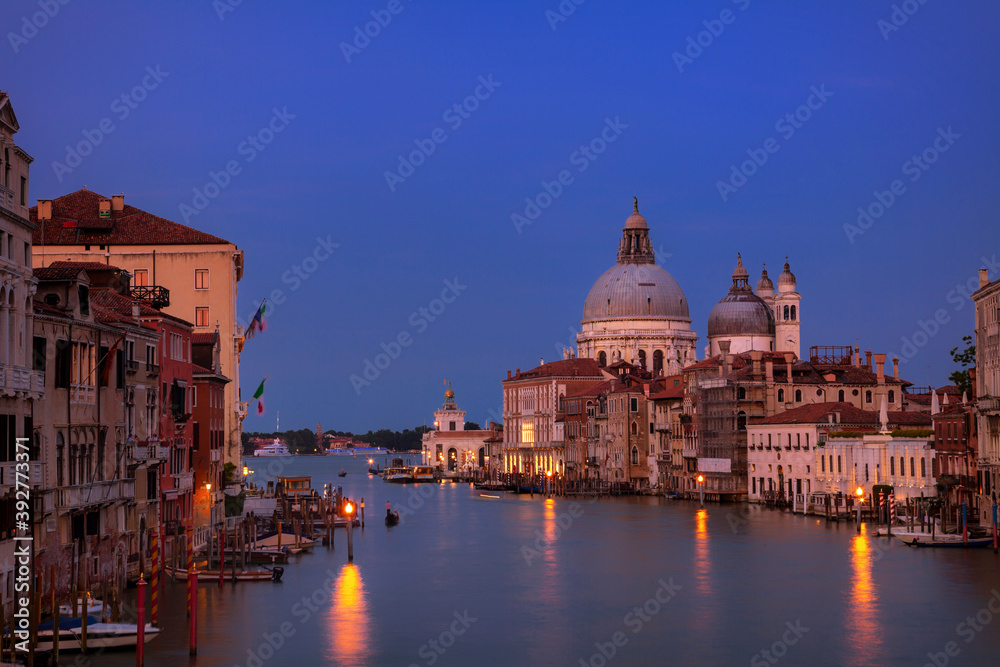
[
  {"x": 349, "y": 619},
  {"x": 864, "y": 631}
]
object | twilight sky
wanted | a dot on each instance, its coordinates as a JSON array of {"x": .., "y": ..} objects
[{"x": 314, "y": 116}]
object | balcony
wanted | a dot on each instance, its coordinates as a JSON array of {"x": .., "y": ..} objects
[
  {"x": 152, "y": 369},
  {"x": 131, "y": 366},
  {"x": 184, "y": 482},
  {"x": 152, "y": 452},
  {"x": 988, "y": 404},
  {"x": 85, "y": 495},
  {"x": 15, "y": 379},
  {"x": 159, "y": 297},
  {"x": 663, "y": 426},
  {"x": 216, "y": 455},
  {"x": 31, "y": 477}
]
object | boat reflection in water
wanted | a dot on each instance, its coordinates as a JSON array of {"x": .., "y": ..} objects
[
  {"x": 349, "y": 621},
  {"x": 864, "y": 633}
]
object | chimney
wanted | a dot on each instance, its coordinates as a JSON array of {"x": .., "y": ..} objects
[
  {"x": 972, "y": 380},
  {"x": 769, "y": 370},
  {"x": 984, "y": 278},
  {"x": 880, "y": 368},
  {"x": 857, "y": 356},
  {"x": 118, "y": 202},
  {"x": 755, "y": 357},
  {"x": 895, "y": 367},
  {"x": 44, "y": 209},
  {"x": 508, "y": 373},
  {"x": 724, "y": 358},
  {"x": 868, "y": 359},
  {"x": 788, "y": 365},
  {"x": 135, "y": 312},
  {"x": 104, "y": 208}
]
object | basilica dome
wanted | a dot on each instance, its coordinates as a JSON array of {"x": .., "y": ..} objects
[
  {"x": 741, "y": 312},
  {"x": 636, "y": 291}
]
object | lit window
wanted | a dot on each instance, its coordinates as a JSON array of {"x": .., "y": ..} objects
[
  {"x": 201, "y": 278},
  {"x": 201, "y": 317},
  {"x": 141, "y": 278}
]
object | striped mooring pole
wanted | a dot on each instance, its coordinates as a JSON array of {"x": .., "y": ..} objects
[{"x": 154, "y": 539}]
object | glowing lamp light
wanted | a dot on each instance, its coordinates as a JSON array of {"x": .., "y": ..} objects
[
  {"x": 859, "y": 492},
  {"x": 349, "y": 508},
  {"x": 548, "y": 474},
  {"x": 701, "y": 479},
  {"x": 208, "y": 486},
  {"x": 245, "y": 471}
]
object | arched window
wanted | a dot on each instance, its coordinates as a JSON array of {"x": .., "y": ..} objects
[
  {"x": 902, "y": 466},
  {"x": 892, "y": 465},
  {"x": 741, "y": 420},
  {"x": 642, "y": 359},
  {"x": 866, "y": 472},
  {"x": 913, "y": 469},
  {"x": 786, "y": 312},
  {"x": 793, "y": 313},
  {"x": 840, "y": 395},
  {"x": 658, "y": 362},
  {"x": 635, "y": 429},
  {"x": 798, "y": 395},
  {"x": 868, "y": 397},
  {"x": 892, "y": 396},
  {"x": 602, "y": 358},
  {"x": 741, "y": 393},
  {"x": 923, "y": 467},
  {"x": 822, "y": 464},
  {"x": 635, "y": 456},
  {"x": 839, "y": 468},
  {"x": 781, "y": 396}
]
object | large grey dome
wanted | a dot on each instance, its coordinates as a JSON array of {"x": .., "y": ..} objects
[
  {"x": 741, "y": 314},
  {"x": 635, "y": 290}
]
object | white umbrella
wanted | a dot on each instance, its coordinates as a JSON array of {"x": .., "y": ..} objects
[
  {"x": 883, "y": 416},
  {"x": 965, "y": 397},
  {"x": 935, "y": 406}
]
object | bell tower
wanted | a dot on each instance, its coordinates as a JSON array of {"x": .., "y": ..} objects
[{"x": 787, "y": 313}]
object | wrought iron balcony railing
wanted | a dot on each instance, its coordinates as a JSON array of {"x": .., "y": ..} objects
[{"x": 158, "y": 296}]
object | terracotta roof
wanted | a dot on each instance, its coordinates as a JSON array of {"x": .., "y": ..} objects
[
  {"x": 112, "y": 300},
  {"x": 803, "y": 372},
  {"x": 86, "y": 266},
  {"x": 203, "y": 338},
  {"x": 76, "y": 221},
  {"x": 593, "y": 390},
  {"x": 669, "y": 392},
  {"x": 57, "y": 273},
  {"x": 816, "y": 413},
  {"x": 562, "y": 368}
]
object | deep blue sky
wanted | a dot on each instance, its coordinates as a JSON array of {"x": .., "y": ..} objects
[{"x": 323, "y": 175}]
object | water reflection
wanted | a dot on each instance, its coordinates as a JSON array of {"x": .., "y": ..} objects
[
  {"x": 864, "y": 633},
  {"x": 702, "y": 557},
  {"x": 349, "y": 622}
]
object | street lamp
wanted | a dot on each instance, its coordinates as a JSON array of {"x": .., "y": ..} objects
[
  {"x": 701, "y": 489},
  {"x": 860, "y": 493},
  {"x": 548, "y": 480}
]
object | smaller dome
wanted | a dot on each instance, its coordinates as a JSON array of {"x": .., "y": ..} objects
[
  {"x": 741, "y": 314},
  {"x": 786, "y": 277},
  {"x": 740, "y": 270},
  {"x": 764, "y": 284},
  {"x": 636, "y": 221}
]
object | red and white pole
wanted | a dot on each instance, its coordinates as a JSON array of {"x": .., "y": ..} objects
[{"x": 193, "y": 611}]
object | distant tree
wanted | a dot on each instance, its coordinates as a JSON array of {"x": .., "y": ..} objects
[
  {"x": 473, "y": 426},
  {"x": 966, "y": 357}
]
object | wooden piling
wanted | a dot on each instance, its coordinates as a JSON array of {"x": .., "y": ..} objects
[
  {"x": 193, "y": 613},
  {"x": 140, "y": 644}
]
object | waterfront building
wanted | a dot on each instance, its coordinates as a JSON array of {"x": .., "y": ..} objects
[
  {"x": 22, "y": 383},
  {"x": 955, "y": 456},
  {"x": 825, "y": 448},
  {"x": 187, "y": 273},
  {"x": 99, "y": 494},
  {"x": 533, "y": 437},
  {"x": 578, "y": 414},
  {"x": 667, "y": 447},
  {"x": 636, "y": 312},
  {"x": 628, "y": 424},
  {"x": 449, "y": 446},
  {"x": 208, "y": 429},
  {"x": 987, "y": 300}
]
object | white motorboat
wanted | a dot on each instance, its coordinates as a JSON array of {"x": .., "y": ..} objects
[{"x": 99, "y": 635}]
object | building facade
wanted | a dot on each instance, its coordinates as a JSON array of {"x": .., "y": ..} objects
[
  {"x": 188, "y": 274},
  {"x": 987, "y": 300},
  {"x": 449, "y": 446}
]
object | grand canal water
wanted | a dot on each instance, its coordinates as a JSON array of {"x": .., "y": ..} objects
[{"x": 521, "y": 581}]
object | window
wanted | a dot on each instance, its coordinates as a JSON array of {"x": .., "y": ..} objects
[
  {"x": 27, "y": 253},
  {"x": 781, "y": 396},
  {"x": 913, "y": 469},
  {"x": 24, "y": 191},
  {"x": 839, "y": 468},
  {"x": 902, "y": 466},
  {"x": 141, "y": 278},
  {"x": 201, "y": 278},
  {"x": 602, "y": 359},
  {"x": 840, "y": 395},
  {"x": 786, "y": 312},
  {"x": 793, "y": 313},
  {"x": 798, "y": 395},
  {"x": 201, "y": 317},
  {"x": 634, "y": 404},
  {"x": 38, "y": 353},
  {"x": 892, "y": 465},
  {"x": 822, "y": 464},
  {"x": 642, "y": 359},
  {"x": 635, "y": 456},
  {"x": 868, "y": 397},
  {"x": 923, "y": 467},
  {"x": 451, "y": 426},
  {"x": 741, "y": 393},
  {"x": 176, "y": 346},
  {"x": 892, "y": 396},
  {"x": 84, "y": 293},
  {"x": 866, "y": 472},
  {"x": 807, "y": 441}
]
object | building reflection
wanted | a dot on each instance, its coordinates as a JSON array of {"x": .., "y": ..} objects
[
  {"x": 349, "y": 621},
  {"x": 864, "y": 636}
]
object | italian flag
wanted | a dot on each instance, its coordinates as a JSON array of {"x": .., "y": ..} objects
[{"x": 257, "y": 396}]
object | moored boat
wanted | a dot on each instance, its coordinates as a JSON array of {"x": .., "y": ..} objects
[
  {"x": 398, "y": 475},
  {"x": 276, "y": 448},
  {"x": 423, "y": 474},
  {"x": 99, "y": 635},
  {"x": 211, "y": 576},
  {"x": 939, "y": 540}
]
